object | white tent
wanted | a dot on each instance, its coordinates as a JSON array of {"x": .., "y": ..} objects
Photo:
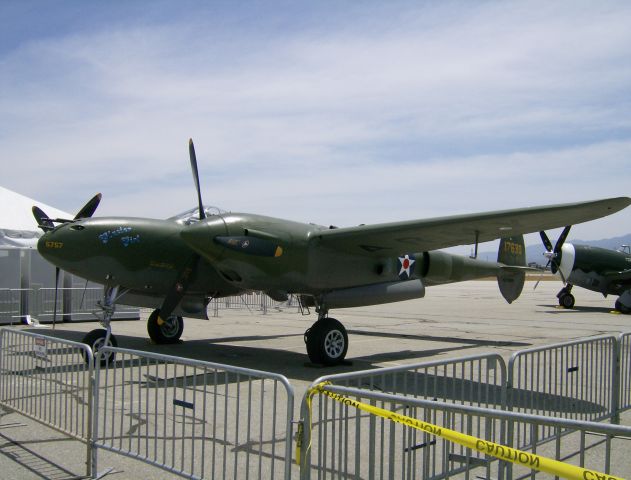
[{"x": 18, "y": 227}]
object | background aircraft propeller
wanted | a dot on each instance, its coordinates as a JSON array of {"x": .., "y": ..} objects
[{"x": 554, "y": 254}]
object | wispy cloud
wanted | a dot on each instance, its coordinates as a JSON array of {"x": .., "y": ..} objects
[{"x": 340, "y": 115}]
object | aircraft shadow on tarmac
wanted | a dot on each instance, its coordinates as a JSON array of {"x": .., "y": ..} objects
[
  {"x": 556, "y": 310},
  {"x": 292, "y": 364},
  {"x": 437, "y": 387}
]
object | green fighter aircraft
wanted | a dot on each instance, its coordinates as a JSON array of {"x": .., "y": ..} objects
[
  {"x": 597, "y": 269},
  {"x": 177, "y": 265}
]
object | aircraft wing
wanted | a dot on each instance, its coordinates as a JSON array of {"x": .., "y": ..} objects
[{"x": 443, "y": 232}]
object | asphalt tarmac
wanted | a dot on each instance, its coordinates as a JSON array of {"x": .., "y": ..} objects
[{"x": 451, "y": 321}]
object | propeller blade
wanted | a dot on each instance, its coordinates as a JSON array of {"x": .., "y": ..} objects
[
  {"x": 191, "y": 153},
  {"x": 42, "y": 219},
  {"x": 561, "y": 240},
  {"x": 89, "y": 208},
  {"x": 557, "y": 252},
  {"x": 546, "y": 241},
  {"x": 541, "y": 276}
]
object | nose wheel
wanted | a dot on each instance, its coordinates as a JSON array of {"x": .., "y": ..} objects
[
  {"x": 327, "y": 342},
  {"x": 96, "y": 340}
]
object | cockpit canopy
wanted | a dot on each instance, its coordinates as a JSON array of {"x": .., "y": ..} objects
[{"x": 192, "y": 216}]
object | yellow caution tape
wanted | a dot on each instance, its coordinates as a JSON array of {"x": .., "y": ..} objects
[{"x": 530, "y": 460}]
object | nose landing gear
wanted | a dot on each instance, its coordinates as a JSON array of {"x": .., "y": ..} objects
[{"x": 99, "y": 338}]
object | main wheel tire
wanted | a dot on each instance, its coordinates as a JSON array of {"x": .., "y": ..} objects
[
  {"x": 622, "y": 308},
  {"x": 95, "y": 339},
  {"x": 164, "y": 331},
  {"x": 567, "y": 300},
  {"x": 327, "y": 342}
]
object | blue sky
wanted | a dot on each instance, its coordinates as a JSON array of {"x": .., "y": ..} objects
[{"x": 327, "y": 112}]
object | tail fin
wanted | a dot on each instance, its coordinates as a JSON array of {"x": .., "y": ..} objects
[{"x": 512, "y": 273}]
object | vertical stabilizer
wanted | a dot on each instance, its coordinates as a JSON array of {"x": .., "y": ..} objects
[{"x": 512, "y": 253}]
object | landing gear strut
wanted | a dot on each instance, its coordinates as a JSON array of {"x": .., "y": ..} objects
[
  {"x": 99, "y": 338},
  {"x": 164, "y": 331},
  {"x": 566, "y": 299},
  {"x": 327, "y": 341}
]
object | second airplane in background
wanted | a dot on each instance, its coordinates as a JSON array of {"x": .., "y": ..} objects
[{"x": 593, "y": 268}]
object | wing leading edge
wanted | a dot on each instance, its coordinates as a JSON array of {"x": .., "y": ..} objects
[{"x": 443, "y": 232}]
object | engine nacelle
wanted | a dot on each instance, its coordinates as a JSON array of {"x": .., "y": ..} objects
[
  {"x": 437, "y": 267},
  {"x": 375, "y": 294},
  {"x": 440, "y": 267}
]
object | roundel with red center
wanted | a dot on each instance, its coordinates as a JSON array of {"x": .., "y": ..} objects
[{"x": 406, "y": 266}]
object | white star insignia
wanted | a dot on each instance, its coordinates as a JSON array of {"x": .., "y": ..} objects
[{"x": 406, "y": 264}]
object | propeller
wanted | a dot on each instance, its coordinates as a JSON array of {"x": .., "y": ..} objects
[
  {"x": 184, "y": 276},
  {"x": 46, "y": 223},
  {"x": 554, "y": 254},
  {"x": 193, "y": 157}
]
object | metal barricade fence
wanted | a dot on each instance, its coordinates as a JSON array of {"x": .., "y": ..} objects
[
  {"x": 254, "y": 301},
  {"x": 624, "y": 371},
  {"x": 355, "y": 444},
  {"x": 571, "y": 380},
  {"x": 474, "y": 380},
  {"x": 194, "y": 418},
  {"x": 574, "y": 380},
  {"x": 49, "y": 380},
  {"x": 83, "y": 300},
  {"x": 9, "y": 305},
  {"x": 586, "y": 444}
]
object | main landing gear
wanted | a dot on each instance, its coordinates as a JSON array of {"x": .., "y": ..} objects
[
  {"x": 99, "y": 338},
  {"x": 164, "y": 331},
  {"x": 623, "y": 303},
  {"x": 566, "y": 299},
  {"x": 622, "y": 308},
  {"x": 327, "y": 341}
]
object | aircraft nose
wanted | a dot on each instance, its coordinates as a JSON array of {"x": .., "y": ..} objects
[
  {"x": 54, "y": 245},
  {"x": 200, "y": 237}
]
